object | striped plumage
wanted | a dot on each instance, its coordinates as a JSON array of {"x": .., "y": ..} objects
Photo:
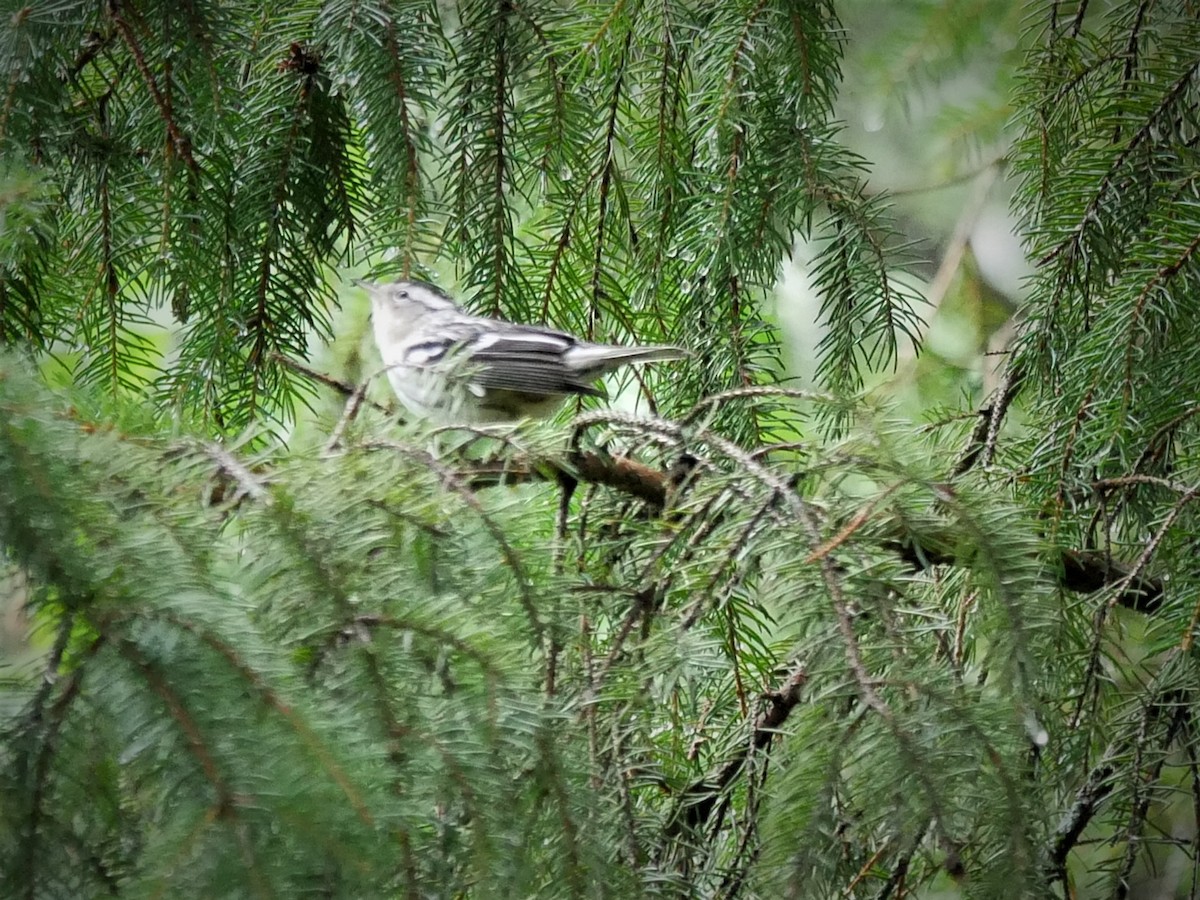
[{"x": 456, "y": 368}]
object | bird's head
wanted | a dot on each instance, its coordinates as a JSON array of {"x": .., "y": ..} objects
[{"x": 405, "y": 302}]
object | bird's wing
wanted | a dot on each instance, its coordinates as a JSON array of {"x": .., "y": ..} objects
[
  {"x": 499, "y": 356},
  {"x": 527, "y": 360}
]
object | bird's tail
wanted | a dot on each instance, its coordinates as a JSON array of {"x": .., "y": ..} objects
[{"x": 602, "y": 358}]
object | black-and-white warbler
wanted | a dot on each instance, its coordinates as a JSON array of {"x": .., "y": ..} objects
[{"x": 456, "y": 368}]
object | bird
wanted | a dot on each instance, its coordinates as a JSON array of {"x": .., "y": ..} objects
[{"x": 451, "y": 367}]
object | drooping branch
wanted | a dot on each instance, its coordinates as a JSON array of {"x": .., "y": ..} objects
[
  {"x": 179, "y": 140},
  {"x": 697, "y": 801}
]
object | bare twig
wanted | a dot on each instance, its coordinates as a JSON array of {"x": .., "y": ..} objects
[
  {"x": 982, "y": 445},
  {"x": 342, "y": 387},
  {"x": 229, "y": 466}
]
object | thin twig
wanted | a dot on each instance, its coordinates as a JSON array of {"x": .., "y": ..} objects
[
  {"x": 231, "y": 467},
  {"x": 751, "y": 392},
  {"x": 342, "y": 387},
  {"x": 353, "y": 404},
  {"x": 1111, "y": 484}
]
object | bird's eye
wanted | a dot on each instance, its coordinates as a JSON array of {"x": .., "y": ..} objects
[{"x": 401, "y": 295}]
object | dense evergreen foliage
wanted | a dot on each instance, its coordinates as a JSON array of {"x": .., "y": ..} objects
[{"x": 755, "y": 642}]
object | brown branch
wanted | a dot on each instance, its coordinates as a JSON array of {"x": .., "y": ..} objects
[
  {"x": 608, "y": 174},
  {"x": 1077, "y": 24},
  {"x": 181, "y": 142},
  {"x": 342, "y": 387},
  {"x": 1150, "y": 772},
  {"x": 1082, "y": 572},
  {"x": 259, "y": 322},
  {"x": 500, "y": 112},
  {"x": 628, "y": 476},
  {"x": 1105, "y": 485},
  {"x": 960, "y": 238},
  {"x": 642, "y": 606},
  {"x": 349, "y": 413},
  {"x": 697, "y": 801},
  {"x": 858, "y": 521},
  {"x": 896, "y": 879}
]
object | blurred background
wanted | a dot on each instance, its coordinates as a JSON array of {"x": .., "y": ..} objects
[{"x": 924, "y": 102}]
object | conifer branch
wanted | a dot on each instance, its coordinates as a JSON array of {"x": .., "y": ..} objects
[
  {"x": 412, "y": 177},
  {"x": 49, "y": 724},
  {"x": 1081, "y": 571},
  {"x": 273, "y": 701},
  {"x": 500, "y": 112},
  {"x": 696, "y": 802},
  {"x": 183, "y": 146},
  {"x": 1073, "y": 243},
  {"x": 556, "y": 686},
  {"x": 1156, "y": 282},
  {"x": 227, "y": 800},
  {"x": 459, "y": 482}
]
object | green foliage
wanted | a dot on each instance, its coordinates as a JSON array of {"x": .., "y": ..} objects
[
  {"x": 353, "y": 674},
  {"x": 1109, "y": 189},
  {"x": 771, "y": 643}
]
